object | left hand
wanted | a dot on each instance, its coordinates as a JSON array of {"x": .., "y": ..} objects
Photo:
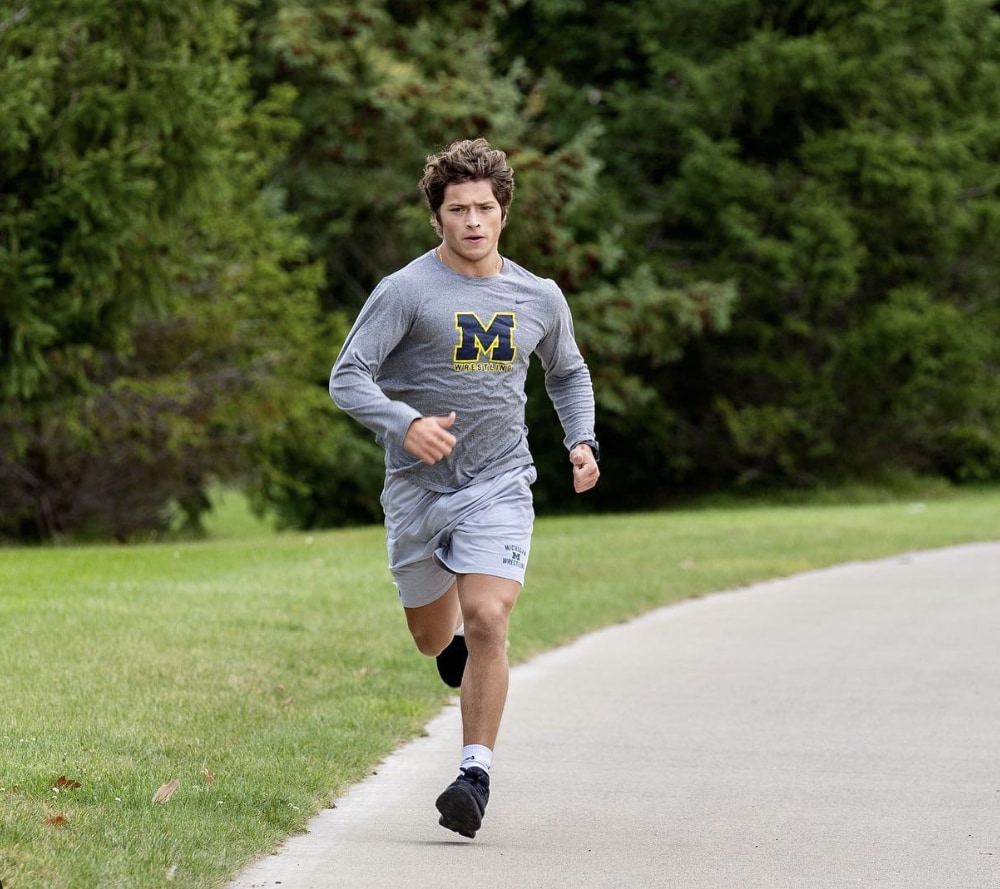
[{"x": 585, "y": 470}]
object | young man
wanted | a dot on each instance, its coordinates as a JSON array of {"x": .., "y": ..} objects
[{"x": 435, "y": 365}]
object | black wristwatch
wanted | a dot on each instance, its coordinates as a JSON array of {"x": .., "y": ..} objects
[{"x": 594, "y": 446}]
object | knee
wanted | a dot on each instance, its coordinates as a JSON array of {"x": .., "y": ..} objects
[
  {"x": 431, "y": 641},
  {"x": 433, "y": 626},
  {"x": 486, "y": 627}
]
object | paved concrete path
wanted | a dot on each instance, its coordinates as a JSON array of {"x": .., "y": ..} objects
[{"x": 832, "y": 730}]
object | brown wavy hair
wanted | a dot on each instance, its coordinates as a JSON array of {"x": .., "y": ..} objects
[{"x": 467, "y": 160}]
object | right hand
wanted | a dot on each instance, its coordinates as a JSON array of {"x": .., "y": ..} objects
[{"x": 428, "y": 438}]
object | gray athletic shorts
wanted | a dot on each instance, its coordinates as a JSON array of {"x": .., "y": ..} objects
[{"x": 485, "y": 528}]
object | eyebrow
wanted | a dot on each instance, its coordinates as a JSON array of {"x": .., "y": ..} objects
[{"x": 470, "y": 203}]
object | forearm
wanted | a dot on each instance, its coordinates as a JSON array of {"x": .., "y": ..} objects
[
  {"x": 356, "y": 393},
  {"x": 573, "y": 399}
]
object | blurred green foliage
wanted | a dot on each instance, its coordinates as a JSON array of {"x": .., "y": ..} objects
[{"x": 778, "y": 226}]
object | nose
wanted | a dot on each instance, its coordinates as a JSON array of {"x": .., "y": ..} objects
[{"x": 472, "y": 219}]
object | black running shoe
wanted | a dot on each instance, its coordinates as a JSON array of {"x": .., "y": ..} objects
[
  {"x": 451, "y": 662},
  {"x": 463, "y": 802}
]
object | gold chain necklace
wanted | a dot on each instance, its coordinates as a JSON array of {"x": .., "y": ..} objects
[{"x": 440, "y": 256}]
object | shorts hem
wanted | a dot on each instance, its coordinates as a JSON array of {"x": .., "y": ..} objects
[
  {"x": 517, "y": 575},
  {"x": 425, "y": 599}
]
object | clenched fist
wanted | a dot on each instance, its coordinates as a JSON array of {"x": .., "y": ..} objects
[
  {"x": 428, "y": 438},
  {"x": 585, "y": 470}
]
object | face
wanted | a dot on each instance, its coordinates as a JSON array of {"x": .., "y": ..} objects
[{"x": 471, "y": 222}]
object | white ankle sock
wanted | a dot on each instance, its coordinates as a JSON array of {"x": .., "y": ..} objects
[{"x": 477, "y": 755}]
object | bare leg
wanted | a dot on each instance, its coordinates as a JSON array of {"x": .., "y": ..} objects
[
  {"x": 486, "y": 604},
  {"x": 433, "y": 626}
]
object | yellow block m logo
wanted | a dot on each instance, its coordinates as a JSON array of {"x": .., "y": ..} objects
[{"x": 476, "y": 339}]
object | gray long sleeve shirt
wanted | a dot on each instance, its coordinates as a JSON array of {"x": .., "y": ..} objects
[{"x": 430, "y": 341}]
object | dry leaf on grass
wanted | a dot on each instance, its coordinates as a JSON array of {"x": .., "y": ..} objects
[
  {"x": 64, "y": 783},
  {"x": 56, "y": 820},
  {"x": 166, "y": 791},
  {"x": 209, "y": 777}
]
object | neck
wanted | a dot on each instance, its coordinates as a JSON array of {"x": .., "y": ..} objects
[{"x": 483, "y": 268}]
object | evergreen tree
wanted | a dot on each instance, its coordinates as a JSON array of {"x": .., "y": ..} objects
[
  {"x": 838, "y": 162},
  {"x": 159, "y": 309},
  {"x": 380, "y": 84},
  {"x": 111, "y": 124}
]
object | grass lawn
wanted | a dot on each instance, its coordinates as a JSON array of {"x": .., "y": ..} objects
[{"x": 266, "y": 673}]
